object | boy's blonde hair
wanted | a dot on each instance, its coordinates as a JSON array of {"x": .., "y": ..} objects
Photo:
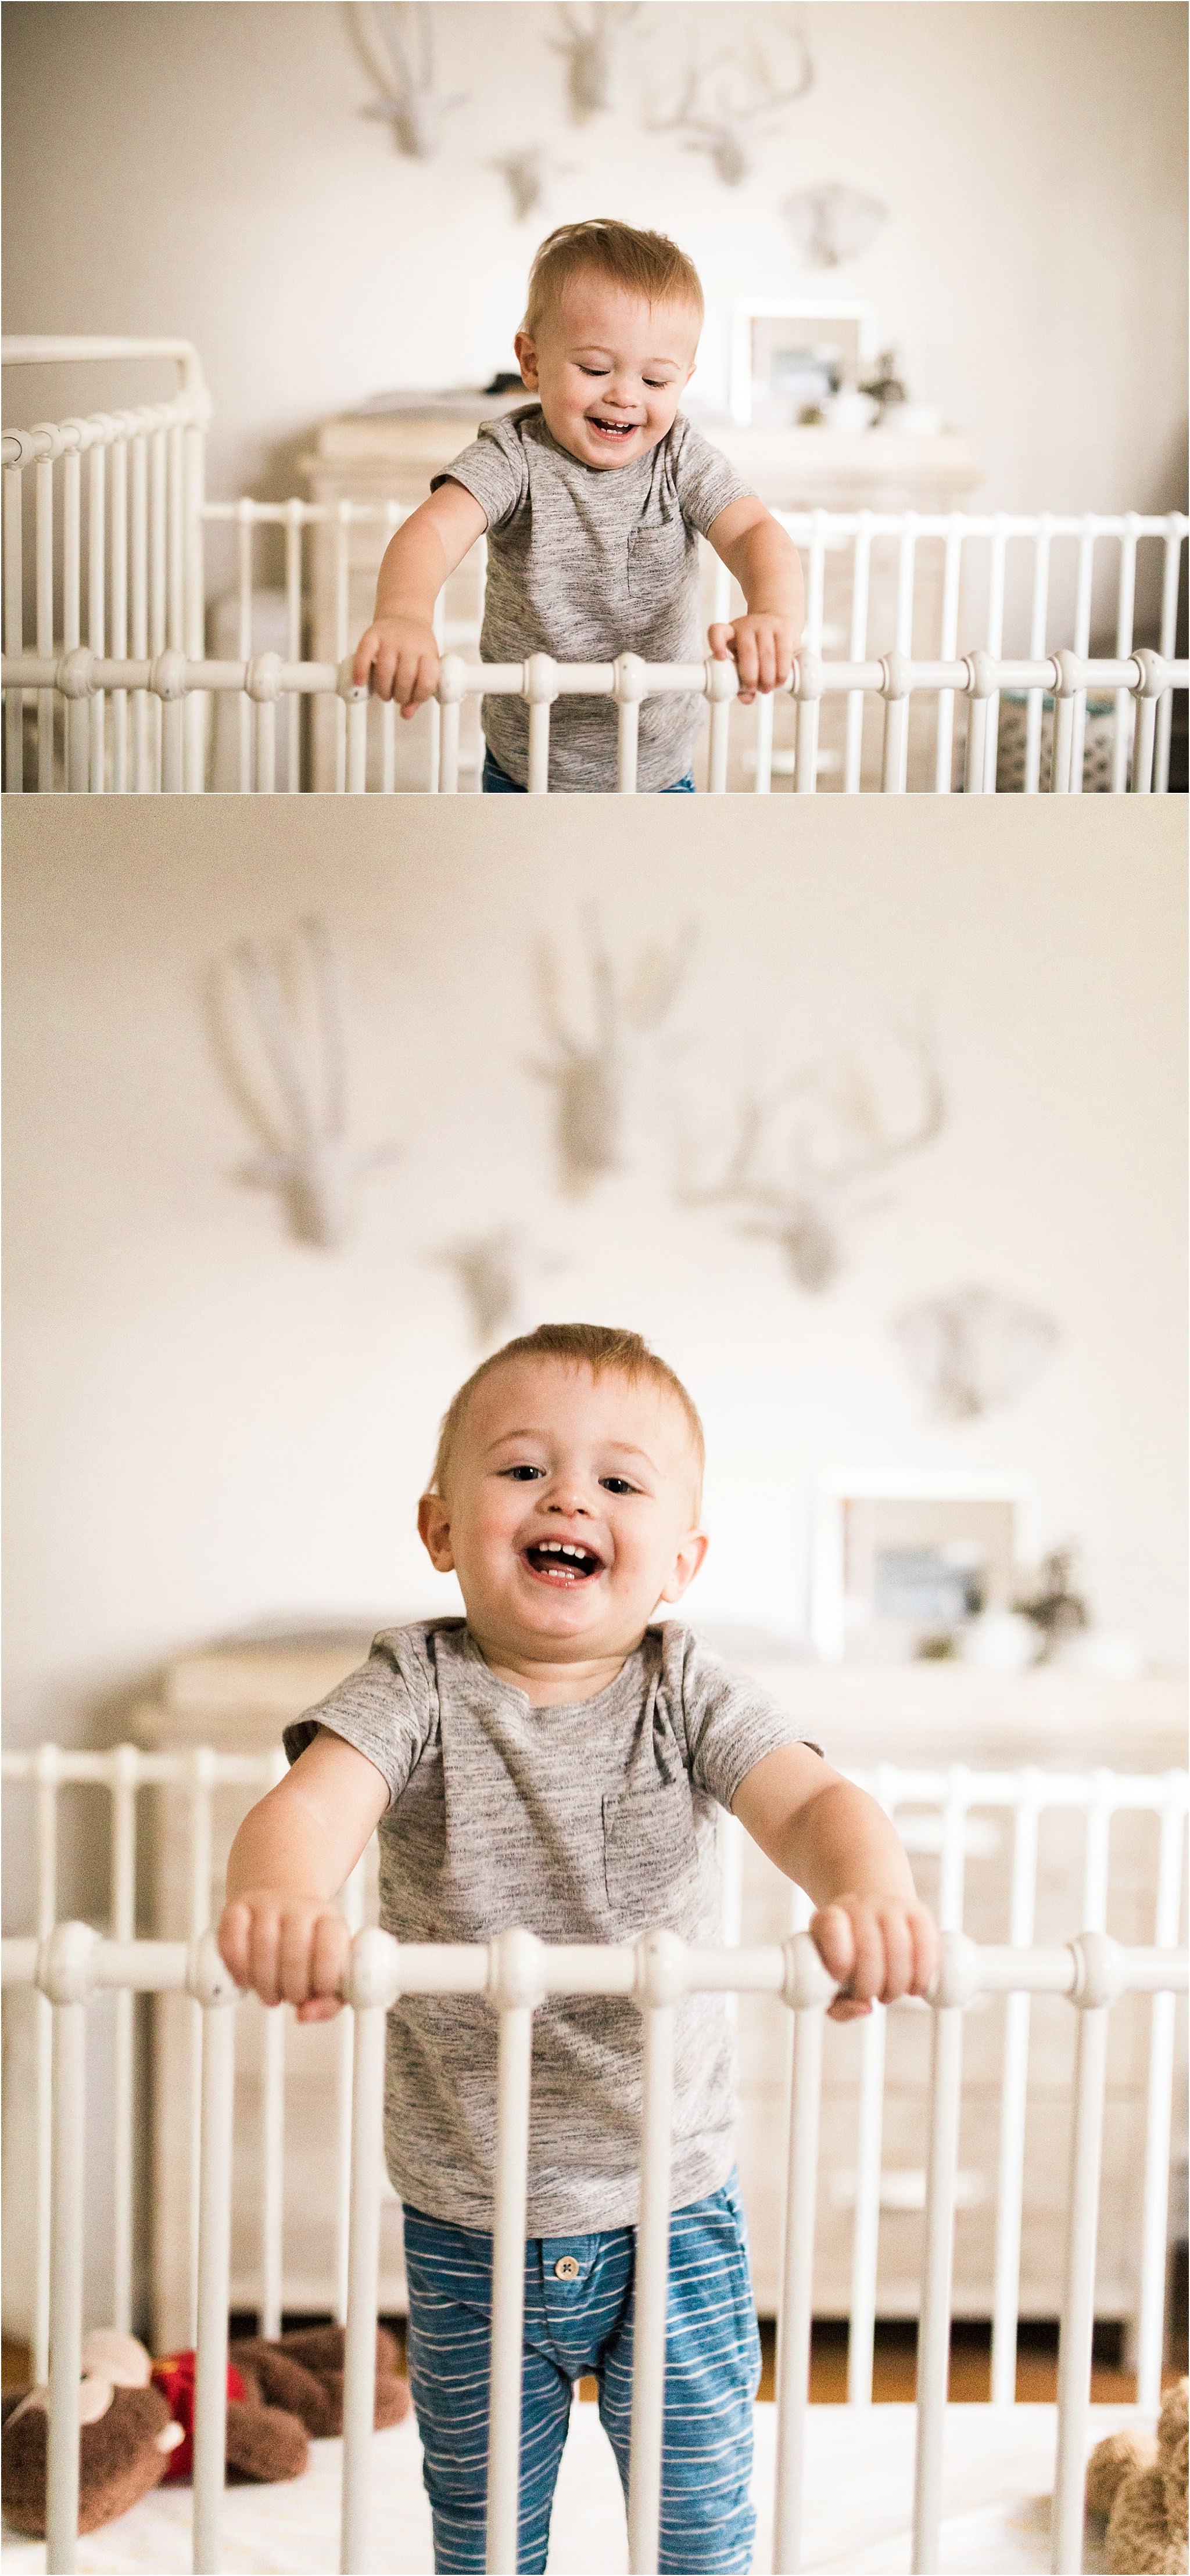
[
  {"x": 598, "y": 1347},
  {"x": 645, "y": 264}
]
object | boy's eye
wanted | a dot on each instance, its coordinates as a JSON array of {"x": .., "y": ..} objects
[
  {"x": 524, "y": 1474},
  {"x": 617, "y": 1485},
  {"x": 595, "y": 371}
]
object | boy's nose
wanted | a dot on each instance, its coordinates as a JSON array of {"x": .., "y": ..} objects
[{"x": 568, "y": 1500}]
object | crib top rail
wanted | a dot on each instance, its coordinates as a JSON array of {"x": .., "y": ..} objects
[{"x": 517, "y": 1971}]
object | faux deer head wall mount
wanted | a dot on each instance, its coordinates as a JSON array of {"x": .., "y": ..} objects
[
  {"x": 397, "y": 41},
  {"x": 598, "y": 1067},
  {"x": 973, "y": 1349},
  {"x": 590, "y": 40},
  {"x": 728, "y": 106},
  {"x": 500, "y": 1277},
  {"x": 811, "y": 1156},
  {"x": 279, "y": 1026}
]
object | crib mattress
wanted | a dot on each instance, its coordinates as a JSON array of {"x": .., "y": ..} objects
[{"x": 999, "y": 2476}]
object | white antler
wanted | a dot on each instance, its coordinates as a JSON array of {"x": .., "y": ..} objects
[
  {"x": 398, "y": 43},
  {"x": 799, "y": 1156},
  {"x": 588, "y": 43},
  {"x": 299, "y": 1110},
  {"x": 597, "y": 1078},
  {"x": 723, "y": 107}
]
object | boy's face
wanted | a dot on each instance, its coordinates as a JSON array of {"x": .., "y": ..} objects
[
  {"x": 569, "y": 1512},
  {"x": 609, "y": 369}
]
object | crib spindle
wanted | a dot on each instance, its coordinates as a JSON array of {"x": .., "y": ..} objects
[
  {"x": 659, "y": 1983},
  {"x": 807, "y": 1991},
  {"x": 1154, "y": 2252},
  {"x": 1096, "y": 1988},
  {"x": 933, "y": 2333},
  {"x": 214, "y": 1992},
  {"x": 1014, "y": 2087},
  {"x": 43, "y": 490},
  {"x": 515, "y": 1991},
  {"x": 370, "y": 1991},
  {"x": 68, "y": 1982},
  {"x": 14, "y": 713}
]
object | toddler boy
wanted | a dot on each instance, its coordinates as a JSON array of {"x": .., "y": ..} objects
[
  {"x": 556, "y": 1760},
  {"x": 593, "y": 497}
]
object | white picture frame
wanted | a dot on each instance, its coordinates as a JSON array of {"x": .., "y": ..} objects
[
  {"x": 841, "y": 320},
  {"x": 836, "y": 1611}
]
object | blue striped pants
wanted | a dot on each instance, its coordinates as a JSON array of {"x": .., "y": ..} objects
[{"x": 579, "y": 2317}]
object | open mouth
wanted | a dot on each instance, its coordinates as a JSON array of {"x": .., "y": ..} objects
[
  {"x": 556, "y": 1560},
  {"x": 613, "y": 429}
]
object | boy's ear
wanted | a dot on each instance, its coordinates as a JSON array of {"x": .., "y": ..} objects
[
  {"x": 433, "y": 1529},
  {"x": 526, "y": 358},
  {"x": 685, "y": 1565}
]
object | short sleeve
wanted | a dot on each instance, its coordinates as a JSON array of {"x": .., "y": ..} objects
[
  {"x": 385, "y": 1709},
  {"x": 730, "y": 1722},
  {"x": 493, "y": 470},
  {"x": 705, "y": 481}
]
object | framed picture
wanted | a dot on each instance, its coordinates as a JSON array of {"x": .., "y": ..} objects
[
  {"x": 902, "y": 1557},
  {"x": 787, "y": 358}
]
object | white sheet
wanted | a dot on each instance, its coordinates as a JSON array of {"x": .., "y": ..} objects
[{"x": 999, "y": 2476}]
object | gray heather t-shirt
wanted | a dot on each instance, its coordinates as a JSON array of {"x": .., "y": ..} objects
[
  {"x": 586, "y": 564},
  {"x": 590, "y": 1822}
]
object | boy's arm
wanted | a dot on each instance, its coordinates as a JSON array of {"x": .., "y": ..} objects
[
  {"x": 767, "y": 566},
  {"x": 279, "y": 1931},
  {"x": 399, "y": 653},
  {"x": 873, "y": 1934}
]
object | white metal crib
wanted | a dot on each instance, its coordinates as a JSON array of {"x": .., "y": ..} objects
[
  {"x": 66, "y": 1962},
  {"x": 125, "y": 705}
]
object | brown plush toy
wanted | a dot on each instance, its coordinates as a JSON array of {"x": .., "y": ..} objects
[
  {"x": 137, "y": 2418},
  {"x": 1142, "y": 2490},
  {"x": 126, "y": 2438},
  {"x": 303, "y": 2373}
]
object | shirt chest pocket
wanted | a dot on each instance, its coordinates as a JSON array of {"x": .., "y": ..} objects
[
  {"x": 649, "y": 1847},
  {"x": 656, "y": 560}
]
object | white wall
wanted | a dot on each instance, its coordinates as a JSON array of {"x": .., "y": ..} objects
[
  {"x": 205, "y": 167},
  {"x": 209, "y": 1424}
]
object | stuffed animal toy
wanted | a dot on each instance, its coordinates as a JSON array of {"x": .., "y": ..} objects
[
  {"x": 125, "y": 2441},
  {"x": 137, "y": 2419},
  {"x": 1142, "y": 2490}
]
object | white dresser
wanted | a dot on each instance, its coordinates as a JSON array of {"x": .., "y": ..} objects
[{"x": 913, "y": 1715}]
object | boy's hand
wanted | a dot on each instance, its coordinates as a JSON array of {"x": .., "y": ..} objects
[
  {"x": 400, "y": 657},
  {"x": 287, "y": 1949},
  {"x": 762, "y": 646},
  {"x": 878, "y": 1948}
]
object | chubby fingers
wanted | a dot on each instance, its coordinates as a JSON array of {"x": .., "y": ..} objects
[
  {"x": 292, "y": 1952},
  {"x": 877, "y": 1949},
  {"x": 367, "y": 659}
]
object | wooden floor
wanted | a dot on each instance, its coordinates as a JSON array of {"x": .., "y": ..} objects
[{"x": 895, "y": 2370}]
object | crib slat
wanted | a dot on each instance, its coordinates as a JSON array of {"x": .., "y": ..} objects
[
  {"x": 1014, "y": 2092},
  {"x": 1078, "y": 2297},
  {"x": 1158, "y": 2116},
  {"x": 797, "y": 2267},
  {"x": 44, "y": 543},
  {"x": 513, "y": 2071},
  {"x": 352, "y": 1904},
  {"x": 46, "y": 1762},
  {"x": 66, "y": 2279},
  {"x": 123, "y": 1921},
  {"x": 96, "y": 560},
  {"x": 216, "y": 1995},
  {"x": 359, "y": 2361},
  {"x": 14, "y": 713},
  {"x": 933, "y": 2334},
  {"x": 652, "y": 2258}
]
